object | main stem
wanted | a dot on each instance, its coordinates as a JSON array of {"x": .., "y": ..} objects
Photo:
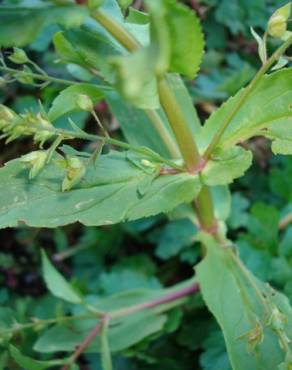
[{"x": 176, "y": 118}]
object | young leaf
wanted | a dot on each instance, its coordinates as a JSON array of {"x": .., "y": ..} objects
[
  {"x": 28, "y": 363},
  {"x": 19, "y": 26},
  {"x": 107, "y": 194},
  {"x": 262, "y": 50},
  {"x": 56, "y": 283},
  {"x": 68, "y": 100},
  {"x": 268, "y": 105},
  {"x": 226, "y": 165},
  {"x": 177, "y": 32},
  {"x": 251, "y": 335}
]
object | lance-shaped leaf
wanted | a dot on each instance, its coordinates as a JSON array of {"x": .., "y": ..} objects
[
  {"x": 269, "y": 105},
  {"x": 21, "y": 25},
  {"x": 256, "y": 321},
  {"x": 113, "y": 190}
]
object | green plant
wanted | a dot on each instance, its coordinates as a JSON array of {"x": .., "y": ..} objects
[{"x": 174, "y": 164}]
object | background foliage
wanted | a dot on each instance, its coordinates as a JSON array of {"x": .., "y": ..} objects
[{"x": 153, "y": 252}]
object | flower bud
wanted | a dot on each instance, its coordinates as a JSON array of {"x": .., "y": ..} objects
[
  {"x": 18, "y": 56},
  {"x": 42, "y": 135},
  {"x": 75, "y": 170},
  {"x": 36, "y": 161},
  {"x": 277, "y": 25},
  {"x": 84, "y": 102},
  {"x": 6, "y": 116}
]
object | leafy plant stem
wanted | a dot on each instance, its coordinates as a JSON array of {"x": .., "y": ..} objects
[
  {"x": 37, "y": 76},
  {"x": 67, "y": 134},
  {"x": 85, "y": 344},
  {"x": 245, "y": 93},
  {"x": 102, "y": 326},
  {"x": 184, "y": 137},
  {"x": 116, "y": 30},
  {"x": 174, "y": 296},
  {"x": 204, "y": 207}
]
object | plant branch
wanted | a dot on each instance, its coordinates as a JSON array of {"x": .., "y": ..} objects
[
  {"x": 171, "y": 297},
  {"x": 85, "y": 344},
  {"x": 244, "y": 94},
  {"x": 285, "y": 221},
  {"x": 38, "y": 76},
  {"x": 67, "y": 134}
]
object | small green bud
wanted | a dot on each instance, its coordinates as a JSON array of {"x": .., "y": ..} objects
[
  {"x": 75, "y": 170},
  {"x": 36, "y": 161},
  {"x": 6, "y": 114},
  {"x": 277, "y": 25},
  {"x": 18, "y": 56},
  {"x": 84, "y": 102},
  {"x": 43, "y": 135},
  {"x": 147, "y": 163},
  {"x": 23, "y": 76}
]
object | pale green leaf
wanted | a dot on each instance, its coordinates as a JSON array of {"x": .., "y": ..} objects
[
  {"x": 67, "y": 100},
  {"x": 21, "y": 25},
  {"x": 107, "y": 194},
  {"x": 57, "y": 284},
  {"x": 268, "y": 105},
  {"x": 226, "y": 165},
  {"x": 262, "y": 51},
  {"x": 250, "y": 330}
]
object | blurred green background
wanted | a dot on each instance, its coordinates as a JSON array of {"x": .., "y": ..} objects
[{"x": 155, "y": 252}]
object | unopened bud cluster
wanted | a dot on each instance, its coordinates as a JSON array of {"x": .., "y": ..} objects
[{"x": 27, "y": 124}]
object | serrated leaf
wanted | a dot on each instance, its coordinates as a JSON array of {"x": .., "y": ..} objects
[
  {"x": 21, "y": 25},
  {"x": 57, "y": 284},
  {"x": 29, "y": 363},
  {"x": 269, "y": 105},
  {"x": 226, "y": 165},
  {"x": 67, "y": 100},
  {"x": 107, "y": 194},
  {"x": 177, "y": 31},
  {"x": 251, "y": 338}
]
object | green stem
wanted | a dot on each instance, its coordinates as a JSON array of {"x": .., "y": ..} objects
[
  {"x": 176, "y": 118},
  {"x": 244, "y": 94},
  {"x": 184, "y": 137},
  {"x": 116, "y": 30},
  {"x": 67, "y": 134},
  {"x": 37, "y": 76},
  {"x": 163, "y": 133},
  {"x": 205, "y": 211}
]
